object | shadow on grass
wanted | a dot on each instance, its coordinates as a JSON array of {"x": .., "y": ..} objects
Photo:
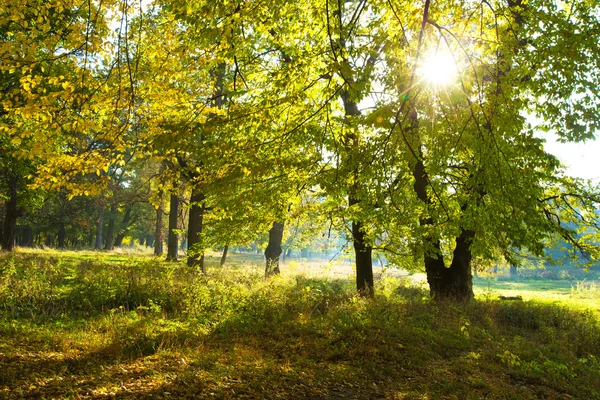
[{"x": 313, "y": 339}]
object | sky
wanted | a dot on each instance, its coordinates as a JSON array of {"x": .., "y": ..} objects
[{"x": 581, "y": 160}]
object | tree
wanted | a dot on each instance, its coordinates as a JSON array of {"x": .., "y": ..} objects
[{"x": 480, "y": 173}]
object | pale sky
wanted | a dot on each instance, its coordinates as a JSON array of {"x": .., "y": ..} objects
[{"x": 581, "y": 160}]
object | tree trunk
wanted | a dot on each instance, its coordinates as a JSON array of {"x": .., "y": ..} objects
[
  {"x": 150, "y": 240},
  {"x": 195, "y": 253},
  {"x": 172, "y": 238},
  {"x": 363, "y": 257},
  {"x": 362, "y": 251},
  {"x": 224, "y": 256},
  {"x": 513, "y": 272},
  {"x": 110, "y": 231},
  {"x": 455, "y": 282},
  {"x": 99, "y": 226},
  {"x": 273, "y": 250},
  {"x": 90, "y": 239},
  {"x": 2, "y": 212},
  {"x": 158, "y": 242},
  {"x": 12, "y": 212},
  {"x": 62, "y": 236},
  {"x": 124, "y": 226},
  {"x": 28, "y": 236}
]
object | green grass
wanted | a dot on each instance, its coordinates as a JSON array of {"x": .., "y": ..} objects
[
  {"x": 581, "y": 295},
  {"x": 72, "y": 326}
]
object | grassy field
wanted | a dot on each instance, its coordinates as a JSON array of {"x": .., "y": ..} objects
[{"x": 117, "y": 325}]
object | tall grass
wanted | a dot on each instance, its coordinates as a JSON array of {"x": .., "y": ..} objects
[{"x": 232, "y": 334}]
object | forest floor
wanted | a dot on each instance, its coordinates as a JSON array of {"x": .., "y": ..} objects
[{"x": 125, "y": 325}]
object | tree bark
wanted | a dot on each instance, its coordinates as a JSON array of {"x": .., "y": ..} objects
[
  {"x": 224, "y": 255},
  {"x": 172, "y": 238},
  {"x": 62, "y": 236},
  {"x": 364, "y": 261},
  {"x": 362, "y": 251},
  {"x": 12, "y": 212},
  {"x": 99, "y": 225},
  {"x": 158, "y": 242},
  {"x": 455, "y": 282},
  {"x": 124, "y": 226},
  {"x": 273, "y": 250},
  {"x": 110, "y": 231},
  {"x": 195, "y": 254}
]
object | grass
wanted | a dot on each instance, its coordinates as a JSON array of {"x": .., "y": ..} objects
[
  {"x": 581, "y": 295},
  {"x": 73, "y": 326}
]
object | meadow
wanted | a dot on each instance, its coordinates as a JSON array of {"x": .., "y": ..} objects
[{"x": 85, "y": 325}]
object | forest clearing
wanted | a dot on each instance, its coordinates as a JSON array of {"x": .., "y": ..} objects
[
  {"x": 299, "y": 199},
  {"x": 98, "y": 325}
]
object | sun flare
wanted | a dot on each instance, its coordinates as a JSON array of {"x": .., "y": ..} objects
[{"x": 438, "y": 68}]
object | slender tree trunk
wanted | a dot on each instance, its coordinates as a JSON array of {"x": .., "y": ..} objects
[
  {"x": 99, "y": 226},
  {"x": 273, "y": 250},
  {"x": 110, "y": 231},
  {"x": 28, "y": 236},
  {"x": 158, "y": 243},
  {"x": 362, "y": 251},
  {"x": 513, "y": 272},
  {"x": 195, "y": 253},
  {"x": 62, "y": 235},
  {"x": 12, "y": 212},
  {"x": 2, "y": 213},
  {"x": 124, "y": 226},
  {"x": 172, "y": 238},
  {"x": 224, "y": 255}
]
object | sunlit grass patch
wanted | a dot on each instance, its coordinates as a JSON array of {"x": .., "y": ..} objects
[{"x": 144, "y": 328}]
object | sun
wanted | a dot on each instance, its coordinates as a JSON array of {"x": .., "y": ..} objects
[{"x": 438, "y": 68}]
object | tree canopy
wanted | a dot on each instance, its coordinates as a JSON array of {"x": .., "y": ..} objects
[{"x": 413, "y": 128}]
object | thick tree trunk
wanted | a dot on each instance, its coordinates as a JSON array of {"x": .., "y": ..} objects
[
  {"x": 124, "y": 226},
  {"x": 364, "y": 262},
  {"x": 195, "y": 254},
  {"x": 460, "y": 284},
  {"x": 158, "y": 242},
  {"x": 273, "y": 250},
  {"x": 12, "y": 212},
  {"x": 110, "y": 231},
  {"x": 455, "y": 282},
  {"x": 363, "y": 257},
  {"x": 99, "y": 226},
  {"x": 224, "y": 255},
  {"x": 172, "y": 238}
]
